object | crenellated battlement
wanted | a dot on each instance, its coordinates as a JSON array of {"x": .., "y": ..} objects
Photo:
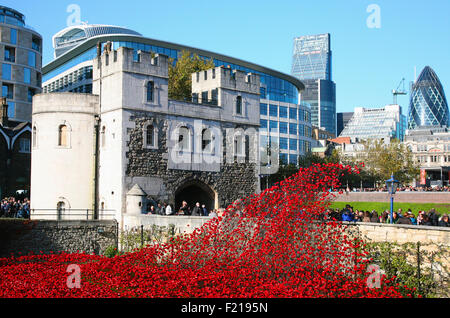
[
  {"x": 225, "y": 78},
  {"x": 128, "y": 60}
]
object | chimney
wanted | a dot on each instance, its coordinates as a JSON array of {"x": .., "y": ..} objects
[{"x": 4, "y": 121}]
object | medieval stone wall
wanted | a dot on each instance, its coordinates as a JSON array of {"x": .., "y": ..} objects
[{"x": 233, "y": 181}]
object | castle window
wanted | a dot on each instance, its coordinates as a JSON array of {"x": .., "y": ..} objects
[
  {"x": 24, "y": 145},
  {"x": 206, "y": 75},
  {"x": 213, "y": 73},
  {"x": 136, "y": 56},
  {"x": 204, "y": 97},
  {"x": 34, "y": 137},
  {"x": 103, "y": 136},
  {"x": 207, "y": 141},
  {"x": 239, "y": 105},
  {"x": 60, "y": 208},
  {"x": 195, "y": 98},
  {"x": 214, "y": 97},
  {"x": 239, "y": 145},
  {"x": 62, "y": 136},
  {"x": 150, "y": 91},
  {"x": 150, "y": 140},
  {"x": 183, "y": 139}
]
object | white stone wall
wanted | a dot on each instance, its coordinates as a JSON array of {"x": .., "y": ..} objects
[{"x": 63, "y": 174}]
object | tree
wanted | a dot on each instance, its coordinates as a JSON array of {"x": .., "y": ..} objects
[
  {"x": 180, "y": 74},
  {"x": 382, "y": 160},
  {"x": 308, "y": 159}
]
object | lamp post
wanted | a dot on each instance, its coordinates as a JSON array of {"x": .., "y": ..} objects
[{"x": 391, "y": 186}]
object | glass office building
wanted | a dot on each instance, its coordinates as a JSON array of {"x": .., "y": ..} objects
[
  {"x": 428, "y": 105},
  {"x": 378, "y": 123},
  {"x": 72, "y": 71},
  {"x": 311, "y": 63},
  {"x": 341, "y": 121},
  {"x": 321, "y": 96},
  {"x": 21, "y": 63},
  {"x": 312, "y": 57}
]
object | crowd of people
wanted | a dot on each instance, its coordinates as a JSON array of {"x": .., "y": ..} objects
[
  {"x": 401, "y": 189},
  {"x": 184, "y": 209},
  {"x": 14, "y": 208},
  {"x": 348, "y": 214}
]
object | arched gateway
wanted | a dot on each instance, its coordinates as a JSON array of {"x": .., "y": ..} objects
[{"x": 194, "y": 191}]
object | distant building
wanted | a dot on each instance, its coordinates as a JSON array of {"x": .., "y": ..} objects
[
  {"x": 72, "y": 36},
  {"x": 349, "y": 149},
  {"x": 21, "y": 59},
  {"x": 377, "y": 123},
  {"x": 312, "y": 57},
  {"x": 312, "y": 63},
  {"x": 431, "y": 150},
  {"x": 321, "y": 136},
  {"x": 15, "y": 154},
  {"x": 321, "y": 96},
  {"x": 21, "y": 79},
  {"x": 341, "y": 121},
  {"x": 428, "y": 105}
]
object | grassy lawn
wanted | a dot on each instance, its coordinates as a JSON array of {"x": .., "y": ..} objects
[{"x": 441, "y": 208}]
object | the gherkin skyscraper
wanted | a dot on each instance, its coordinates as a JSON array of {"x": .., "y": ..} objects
[{"x": 428, "y": 105}]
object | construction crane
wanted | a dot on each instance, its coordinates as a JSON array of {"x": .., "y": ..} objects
[{"x": 398, "y": 91}]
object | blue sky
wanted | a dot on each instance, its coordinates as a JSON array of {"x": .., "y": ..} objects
[{"x": 367, "y": 62}]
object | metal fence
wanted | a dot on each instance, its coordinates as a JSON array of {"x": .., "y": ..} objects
[
  {"x": 72, "y": 214},
  {"x": 425, "y": 267}
]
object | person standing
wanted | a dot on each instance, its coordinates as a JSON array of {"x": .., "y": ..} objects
[
  {"x": 160, "y": 210},
  {"x": 205, "y": 210},
  {"x": 197, "y": 210},
  {"x": 184, "y": 209},
  {"x": 168, "y": 209},
  {"x": 444, "y": 221}
]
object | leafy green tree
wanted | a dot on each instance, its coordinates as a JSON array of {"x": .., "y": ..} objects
[
  {"x": 308, "y": 159},
  {"x": 180, "y": 74},
  {"x": 382, "y": 160}
]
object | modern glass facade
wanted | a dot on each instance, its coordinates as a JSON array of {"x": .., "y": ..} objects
[
  {"x": 321, "y": 95},
  {"x": 287, "y": 127},
  {"x": 341, "y": 121},
  {"x": 72, "y": 36},
  {"x": 378, "y": 123},
  {"x": 20, "y": 65},
  {"x": 312, "y": 57},
  {"x": 428, "y": 105}
]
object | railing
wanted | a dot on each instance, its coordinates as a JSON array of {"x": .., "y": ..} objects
[{"x": 72, "y": 214}]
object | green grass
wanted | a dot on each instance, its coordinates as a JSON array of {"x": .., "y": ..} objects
[{"x": 441, "y": 208}]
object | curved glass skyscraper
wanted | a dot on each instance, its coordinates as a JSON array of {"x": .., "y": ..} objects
[{"x": 428, "y": 105}]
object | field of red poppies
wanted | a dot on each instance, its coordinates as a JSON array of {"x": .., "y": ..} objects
[{"x": 268, "y": 245}]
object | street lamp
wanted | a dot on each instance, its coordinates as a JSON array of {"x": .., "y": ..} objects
[{"x": 392, "y": 186}]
